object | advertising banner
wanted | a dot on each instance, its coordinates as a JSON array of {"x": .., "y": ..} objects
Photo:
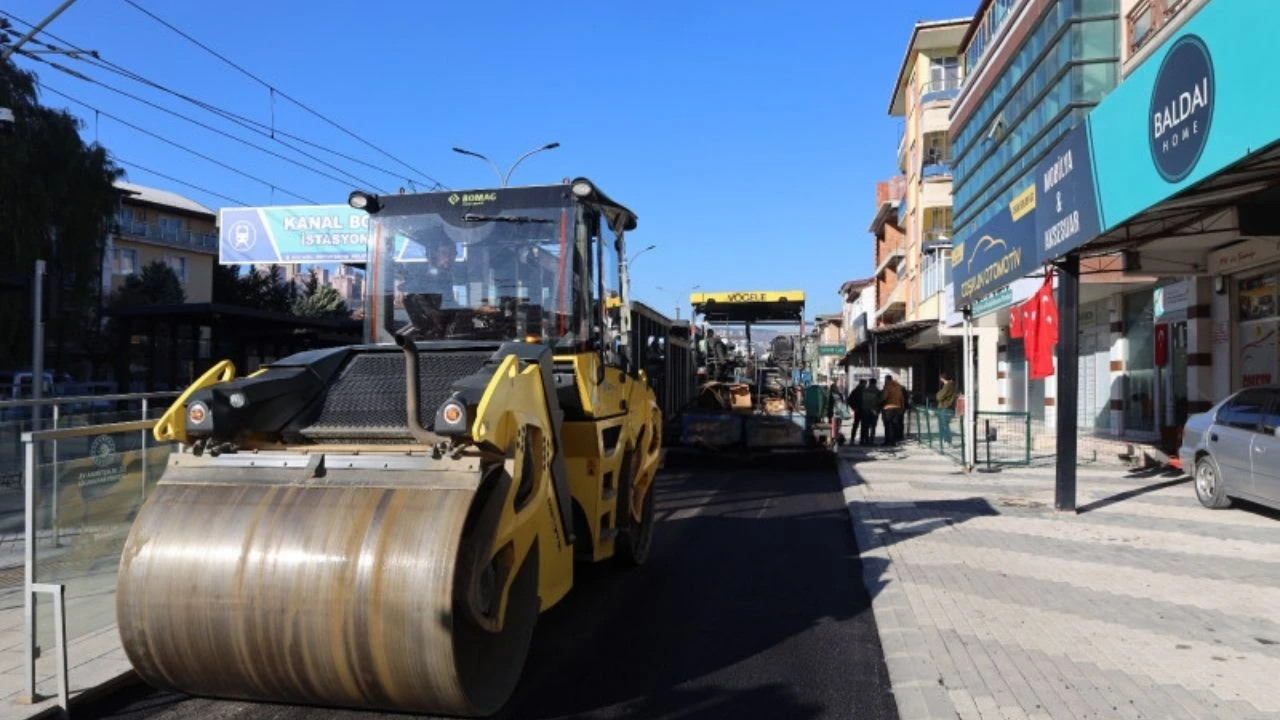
[
  {"x": 1191, "y": 109},
  {"x": 293, "y": 235},
  {"x": 1195, "y": 106},
  {"x": 1000, "y": 252}
]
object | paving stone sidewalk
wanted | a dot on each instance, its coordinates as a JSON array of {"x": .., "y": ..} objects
[{"x": 991, "y": 604}]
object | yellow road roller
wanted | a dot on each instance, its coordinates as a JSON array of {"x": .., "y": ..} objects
[{"x": 379, "y": 526}]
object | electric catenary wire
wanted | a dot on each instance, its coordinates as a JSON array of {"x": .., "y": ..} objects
[
  {"x": 277, "y": 91},
  {"x": 176, "y": 144},
  {"x": 228, "y": 198},
  {"x": 79, "y": 53},
  {"x": 80, "y": 76}
]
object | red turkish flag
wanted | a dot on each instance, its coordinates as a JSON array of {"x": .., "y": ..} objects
[
  {"x": 1045, "y": 323},
  {"x": 1015, "y": 322}
]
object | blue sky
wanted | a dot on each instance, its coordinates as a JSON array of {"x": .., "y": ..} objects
[{"x": 748, "y": 142}]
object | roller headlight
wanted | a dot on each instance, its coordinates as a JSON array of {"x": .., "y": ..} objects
[
  {"x": 198, "y": 416},
  {"x": 237, "y": 400},
  {"x": 582, "y": 189},
  {"x": 451, "y": 418}
]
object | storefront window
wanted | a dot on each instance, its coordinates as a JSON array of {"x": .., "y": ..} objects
[
  {"x": 1256, "y": 304},
  {"x": 1139, "y": 330}
]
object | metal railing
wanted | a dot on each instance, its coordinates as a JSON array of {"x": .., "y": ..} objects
[
  {"x": 940, "y": 89},
  {"x": 1146, "y": 18},
  {"x": 1000, "y": 438},
  {"x": 938, "y": 234},
  {"x": 177, "y": 237},
  {"x": 80, "y": 511}
]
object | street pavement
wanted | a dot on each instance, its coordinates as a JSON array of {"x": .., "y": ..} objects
[
  {"x": 750, "y": 607},
  {"x": 992, "y": 604}
]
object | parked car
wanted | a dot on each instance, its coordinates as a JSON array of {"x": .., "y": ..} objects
[{"x": 1233, "y": 450}]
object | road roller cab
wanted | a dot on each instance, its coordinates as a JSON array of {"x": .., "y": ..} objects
[{"x": 378, "y": 526}]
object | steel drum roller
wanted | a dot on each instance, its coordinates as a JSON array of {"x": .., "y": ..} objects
[{"x": 325, "y": 595}]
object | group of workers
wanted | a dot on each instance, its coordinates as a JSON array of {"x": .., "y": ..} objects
[{"x": 868, "y": 402}]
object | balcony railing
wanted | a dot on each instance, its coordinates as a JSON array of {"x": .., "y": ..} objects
[
  {"x": 936, "y": 167},
  {"x": 1147, "y": 17},
  {"x": 174, "y": 237},
  {"x": 893, "y": 254},
  {"x": 938, "y": 235},
  {"x": 942, "y": 89}
]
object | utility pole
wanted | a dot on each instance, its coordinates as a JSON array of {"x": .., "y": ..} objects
[
  {"x": 40, "y": 26},
  {"x": 37, "y": 342}
]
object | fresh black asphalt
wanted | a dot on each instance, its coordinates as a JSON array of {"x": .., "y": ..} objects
[{"x": 750, "y": 606}]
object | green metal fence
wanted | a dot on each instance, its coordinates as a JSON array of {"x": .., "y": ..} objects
[
  {"x": 1001, "y": 438},
  {"x": 938, "y": 430}
]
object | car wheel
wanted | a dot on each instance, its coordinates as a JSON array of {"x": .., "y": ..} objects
[{"x": 1210, "y": 489}]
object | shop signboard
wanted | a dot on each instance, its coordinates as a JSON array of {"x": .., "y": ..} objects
[
  {"x": 1259, "y": 355},
  {"x": 1000, "y": 252},
  {"x": 831, "y": 350},
  {"x": 1055, "y": 213},
  {"x": 1001, "y": 298},
  {"x": 1246, "y": 254},
  {"x": 1171, "y": 300},
  {"x": 1192, "y": 108}
]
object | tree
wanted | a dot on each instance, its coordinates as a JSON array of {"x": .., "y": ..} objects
[
  {"x": 320, "y": 301},
  {"x": 157, "y": 284},
  {"x": 57, "y": 203}
]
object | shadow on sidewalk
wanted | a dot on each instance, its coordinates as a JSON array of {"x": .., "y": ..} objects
[{"x": 1136, "y": 492}]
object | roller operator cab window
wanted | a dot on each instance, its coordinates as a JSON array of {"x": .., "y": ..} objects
[{"x": 496, "y": 270}]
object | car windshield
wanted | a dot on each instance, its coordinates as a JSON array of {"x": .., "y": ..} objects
[{"x": 492, "y": 272}]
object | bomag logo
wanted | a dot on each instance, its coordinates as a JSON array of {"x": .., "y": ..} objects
[
  {"x": 478, "y": 198},
  {"x": 1009, "y": 262}
]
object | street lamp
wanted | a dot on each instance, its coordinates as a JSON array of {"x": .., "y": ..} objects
[
  {"x": 504, "y": 178},
  {"x": 633, "y": 257}
]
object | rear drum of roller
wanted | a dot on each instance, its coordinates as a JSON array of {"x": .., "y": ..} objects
[{"x": 316, "y": 595}]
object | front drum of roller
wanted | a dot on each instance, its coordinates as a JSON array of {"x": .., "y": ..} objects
[{"x": 315, "y": 595}]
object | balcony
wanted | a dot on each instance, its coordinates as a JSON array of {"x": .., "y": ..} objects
[
  {"x": 936, "y": 168},
  {"x": 168, "y": 237},
  {"x": 1147, "y": 17},
  {"x": 894, "y": 254},
  {"x": 942, "y": 90},
  {"x": 895, "y": 304},
  {"x": 936, "y": 239}
]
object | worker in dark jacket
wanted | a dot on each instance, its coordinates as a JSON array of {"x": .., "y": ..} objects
[{"x": 854, "y": 401}]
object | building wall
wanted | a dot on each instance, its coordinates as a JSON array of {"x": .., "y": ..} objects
[
  {"x": 185, "y": 242},
  {"x": 1146, "y": 23},
  {"x": 931, "y": 87},
  {"x": 1011, "y": 115},
  {"x": 128, "y": 257}
]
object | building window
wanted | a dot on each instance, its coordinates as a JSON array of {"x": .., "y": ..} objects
[
  {"x": 1147, "y": 17},
  {"x": 944, "y": 74},
  {"x": 124, "y": 261},
  {"x": 178, "y": 264}
]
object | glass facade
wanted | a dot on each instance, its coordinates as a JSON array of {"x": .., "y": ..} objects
[{"x": 1065, "y": 65}]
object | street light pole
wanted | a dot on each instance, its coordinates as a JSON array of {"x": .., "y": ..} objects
[
  {"x": 40, "y": 26},
  {"x": 548, "y": 146},
  {"x": 504, "y": 178}
]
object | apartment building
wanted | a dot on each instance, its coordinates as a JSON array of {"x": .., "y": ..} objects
[
  {"x": 928, "y": 82},
  {"x": 160, "y": 225}
]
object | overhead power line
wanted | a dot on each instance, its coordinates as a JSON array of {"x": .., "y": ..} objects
[
  {"x": 176, "y": 144},
  {"x": 193, "y": 121},
  {"x": 258, "y": 127},
  {"x": 122, "y": 161},
  {"x": 277, "y": 91}
]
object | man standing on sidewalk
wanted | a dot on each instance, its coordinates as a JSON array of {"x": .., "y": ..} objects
[
  {"x": 946, "y": 399},
  {"x": 869, "y": 407},
  {"x": 854, "y": 401},
  {"x": 895, "y": 401}
]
